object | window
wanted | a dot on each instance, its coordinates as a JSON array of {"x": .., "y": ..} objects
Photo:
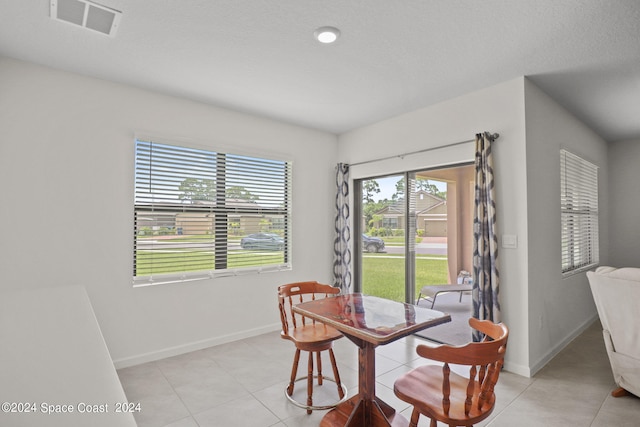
[
  {"x": 391, "y": 223},
  {"x": 200, "y": 213},
  {"x": 579, "y": 213}
]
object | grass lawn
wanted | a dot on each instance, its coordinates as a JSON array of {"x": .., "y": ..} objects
[
  {"x": 191, "y": 260},
  {"x": 384, "y": 276}
]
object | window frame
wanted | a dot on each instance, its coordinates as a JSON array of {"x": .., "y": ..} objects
[
  {"x": 579, "y": 214},
  {"x": 156, "y": 194}
]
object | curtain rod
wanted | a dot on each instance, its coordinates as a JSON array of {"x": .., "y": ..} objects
[{"x": 401, "y": 156}]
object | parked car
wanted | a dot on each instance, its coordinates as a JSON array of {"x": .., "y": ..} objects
[
  {"x": 372, "y": 244},
  {"x": 265, "y": 241}
]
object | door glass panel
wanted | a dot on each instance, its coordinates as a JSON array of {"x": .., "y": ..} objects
[
  {"x": 417, "y": 230},
  {"x": 432, "y": 226},
  {"x": 447, "y": 230},
  {"x": 383, "y": 238}
]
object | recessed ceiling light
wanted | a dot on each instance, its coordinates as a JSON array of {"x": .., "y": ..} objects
[{"x": 326, "y": 34}]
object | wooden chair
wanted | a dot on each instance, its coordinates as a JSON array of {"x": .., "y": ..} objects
[
  {"x": 307, "y": 335},
  {"x": 442, "y": 395}
]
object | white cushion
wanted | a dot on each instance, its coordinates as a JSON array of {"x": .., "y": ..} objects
[
  {"x": 616, "y": 292},
  {"x": 626, "y": 273}
]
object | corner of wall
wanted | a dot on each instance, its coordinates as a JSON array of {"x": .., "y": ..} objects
[{"x": 550, "y": 127}]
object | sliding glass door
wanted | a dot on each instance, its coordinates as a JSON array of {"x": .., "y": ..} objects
[
  {"x": 383, "y": 237},
  {"x": 415, "y": 229}
]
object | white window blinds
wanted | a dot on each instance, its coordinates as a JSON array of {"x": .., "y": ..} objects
[
  {"x": 202, "y": 213},
  {"x": 579, "y": 213}
]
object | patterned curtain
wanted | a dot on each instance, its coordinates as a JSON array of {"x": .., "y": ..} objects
[
  {"x": 341, "y": 251},
  {"x": 485, "y": 246}
]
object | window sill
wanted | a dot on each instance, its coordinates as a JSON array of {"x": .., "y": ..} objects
[{"x": 146, "y": 281}]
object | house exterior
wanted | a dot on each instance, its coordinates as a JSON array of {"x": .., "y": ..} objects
[
  {"x": 238, "y": 224},
  {"x": 199, "y": 219},
  {"x": 431, "y": 215}
]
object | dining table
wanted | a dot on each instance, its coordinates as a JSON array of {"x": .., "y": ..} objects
[{"x": 368, "y": 321}]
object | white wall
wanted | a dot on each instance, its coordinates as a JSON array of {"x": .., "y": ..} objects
[
  {"x": 496, "y": 109},
  {"x": 66, "y": 170},
  {"x": 543, "y": 311},
  {"x": 624, "y": 199},
  {"x": 559, "y": 308}
]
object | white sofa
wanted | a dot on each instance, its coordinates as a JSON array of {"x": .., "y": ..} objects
[{"x": 616, "y": 292}]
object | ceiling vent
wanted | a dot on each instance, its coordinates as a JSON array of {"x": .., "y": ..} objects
[{"x": 87, "y": 14}]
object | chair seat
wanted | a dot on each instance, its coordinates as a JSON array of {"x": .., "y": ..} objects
[
  {"x": 422, "y": 387},
  {"x": 313, "y": 337}
]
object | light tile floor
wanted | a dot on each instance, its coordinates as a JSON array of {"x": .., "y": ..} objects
[{"x": 242, "y": 384}]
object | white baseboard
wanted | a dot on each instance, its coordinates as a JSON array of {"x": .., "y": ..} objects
[
  {"x": 517, "y": 369},
  {"x": 193, "y": 346},
  {"x": 561, "y": 345}
]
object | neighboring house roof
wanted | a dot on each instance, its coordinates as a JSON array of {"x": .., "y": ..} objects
[
  {"x": 425, "y": 204},
  {"x": 237, "y": 203},
  {"x": 430, "y": 208},
  {"x": 233, "y": 203}
]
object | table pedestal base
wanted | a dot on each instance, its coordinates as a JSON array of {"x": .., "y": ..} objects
[{"x": 355, "y": 413}]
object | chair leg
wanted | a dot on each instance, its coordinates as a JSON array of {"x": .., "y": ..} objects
[
  {"x": 294, "y": 372},
  {"x": 310, "y": 382},
  {"x": 336, "y": 375},
  {"x": 414, "y": 419},
  {"x": 319, "y": 369}
]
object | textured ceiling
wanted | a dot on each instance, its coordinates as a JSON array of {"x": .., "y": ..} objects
[{"x": 393, "y": 56}]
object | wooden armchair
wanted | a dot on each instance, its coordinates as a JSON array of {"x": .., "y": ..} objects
[
  {"x": 442, "y": 395},
  {"x": 307, "y": 335}
]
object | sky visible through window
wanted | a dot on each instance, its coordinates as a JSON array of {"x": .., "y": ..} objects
[
  {"x": 199, "y": 164},
  {"x": 388, "y": 186}
]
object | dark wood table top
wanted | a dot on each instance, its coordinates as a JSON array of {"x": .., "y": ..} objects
[{"x": 372, "y": 319}]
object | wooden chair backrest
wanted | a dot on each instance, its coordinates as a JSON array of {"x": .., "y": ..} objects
[
  {"x": 295, "y": 293},
  {"x": 485, "y": 360}
]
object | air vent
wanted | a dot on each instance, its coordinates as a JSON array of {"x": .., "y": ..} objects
[{"x": 87, "y": 14}]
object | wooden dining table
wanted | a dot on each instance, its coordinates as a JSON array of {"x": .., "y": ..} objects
[{"x": 368, "y": 322}]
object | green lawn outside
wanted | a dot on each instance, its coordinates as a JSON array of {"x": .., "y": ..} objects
[
  {"x": 190, "y": 260},
  {"x": 384, "y": 276},
  {"x": 188, "y": 238}
]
